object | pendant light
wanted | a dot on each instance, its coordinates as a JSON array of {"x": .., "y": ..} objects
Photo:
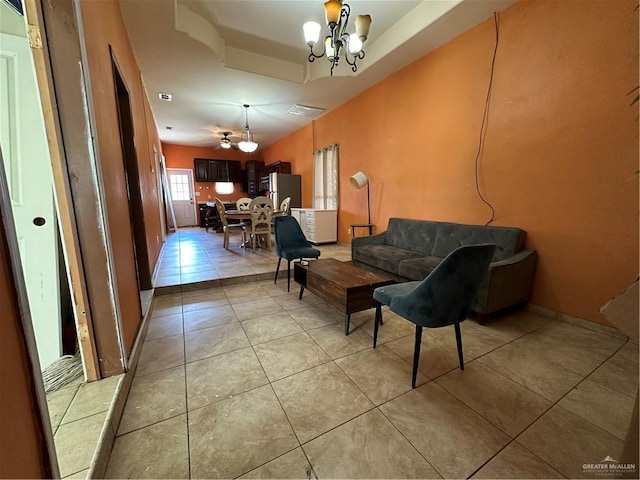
[{"x": 247, "y": 144}]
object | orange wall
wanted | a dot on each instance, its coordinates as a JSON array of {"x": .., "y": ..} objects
[
  {"x": 104, "y": 29},
  {"x": 560, "y": 149},
  {"x": 297, "y": 149},
  {"x": 181, "y": 156}
]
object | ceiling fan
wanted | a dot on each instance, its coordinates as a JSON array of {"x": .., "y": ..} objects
[{"x": 226, "y": 143}]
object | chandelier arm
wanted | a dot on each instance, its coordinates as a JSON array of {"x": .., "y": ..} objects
[
  {"x": 313, "y": 55},
  {"x": 345, "y": 11}
]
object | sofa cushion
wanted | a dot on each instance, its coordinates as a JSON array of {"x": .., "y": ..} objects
[
  {"x": 384, "y": 257},
  {"x": 416, "y": 235},
  {"x": 508, "y": 240},
  {"x": 418, "y": 268}
]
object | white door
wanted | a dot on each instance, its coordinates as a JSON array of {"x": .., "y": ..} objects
[
  {"x": 28, "y": 169},
  {"x": 181, "y": 185}
]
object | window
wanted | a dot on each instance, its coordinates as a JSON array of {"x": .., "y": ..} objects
[
  {"x": 224, "y": 188},
  {"x": 325, "y": 178},
  {"x": 179, "y": 186}
]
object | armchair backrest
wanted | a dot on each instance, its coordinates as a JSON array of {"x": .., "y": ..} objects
[
  {"x": 288, "y": 234},
  {"x": 447, "y": 294}
]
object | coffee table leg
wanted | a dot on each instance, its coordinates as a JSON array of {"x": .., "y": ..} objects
[
  {"x": 347, "y": 320},
  {"x": 301, "y": 291}
]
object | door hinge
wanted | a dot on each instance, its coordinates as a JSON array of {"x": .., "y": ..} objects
[{"x": 35, "y": 40}]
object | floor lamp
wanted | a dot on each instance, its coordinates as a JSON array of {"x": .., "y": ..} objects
[{"x": 359, "y": 180}]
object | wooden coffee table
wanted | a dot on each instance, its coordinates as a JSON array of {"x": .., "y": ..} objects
[{"x": 344, "y": 286}]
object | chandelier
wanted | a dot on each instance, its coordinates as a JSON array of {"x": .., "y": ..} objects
[
  {"x": 338, "y": 40},
  {"x": 247, "y": 144}
]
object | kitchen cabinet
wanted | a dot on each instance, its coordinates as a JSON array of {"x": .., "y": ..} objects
[
  {"x": 318, "y": 226},
  {"x": 275, "y": 167},
  {"x": 210, "y": 170},
  {"x": 254, "y": 170},
  {"x": 234, "y": 171},
  {"x": 201, "y": 167}
]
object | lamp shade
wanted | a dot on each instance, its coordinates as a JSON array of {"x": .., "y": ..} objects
[
  {"x": 311, "y": 32},
  {"x": 247, "y": 147},
  {"x": 363, "y": 22},
  {"x": 355, "y": 44},
  {"x": 359, "y": 180},
  {"x": 332, "y": 11}
]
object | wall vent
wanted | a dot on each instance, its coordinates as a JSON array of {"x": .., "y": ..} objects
[
  {"x": 167, "y": 97},
  {"x": 306, "y": 111}
]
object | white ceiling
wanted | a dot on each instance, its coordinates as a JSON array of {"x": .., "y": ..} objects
[{"x": 213, "y": 56}]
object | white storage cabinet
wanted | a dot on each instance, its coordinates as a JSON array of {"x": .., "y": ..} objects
[{"x": 319, "y": 226}]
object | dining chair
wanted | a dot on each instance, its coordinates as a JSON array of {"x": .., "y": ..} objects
[
  {"x": 243, "y": 203},
  {"x": 443, "y": 298},
  {"x": 285, "y": 206},
  {"x": 291, "y": 244},
  {"x": 261, "y": 210},
  {"x": 226, "y": 226}
]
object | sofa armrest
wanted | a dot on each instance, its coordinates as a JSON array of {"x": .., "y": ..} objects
[
  {"x": 377, "y": 239},
  {"x": 508, "y": 282}
]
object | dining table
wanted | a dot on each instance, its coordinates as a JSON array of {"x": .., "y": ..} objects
[{"x": 246, "y": 215}]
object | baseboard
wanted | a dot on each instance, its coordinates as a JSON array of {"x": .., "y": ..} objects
[{"x": 577, "y": 321}]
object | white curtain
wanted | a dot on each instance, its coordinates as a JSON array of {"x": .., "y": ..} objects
[{"x": 325, "y": 178}]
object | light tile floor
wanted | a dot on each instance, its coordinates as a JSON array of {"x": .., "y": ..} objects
[
  {"x": 247, "y": 381},
  {"x": 77, "y": 412}
]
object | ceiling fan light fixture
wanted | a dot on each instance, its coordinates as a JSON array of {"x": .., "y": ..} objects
[
  {"x": 247, "y": 144},
  {"x": 225, "y": 143}
]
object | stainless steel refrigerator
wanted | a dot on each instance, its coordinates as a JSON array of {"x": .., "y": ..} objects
[{"x": 283, "y": 185}]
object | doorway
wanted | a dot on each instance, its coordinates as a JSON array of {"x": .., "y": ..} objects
[
  {"x": 181, "y": 186},
  {"x": 130, "y": 158}
]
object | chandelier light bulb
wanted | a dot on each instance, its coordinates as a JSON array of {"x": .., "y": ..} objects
[
  {"x": 355, "y": 44},
  {"x": 311, "y": 33}
]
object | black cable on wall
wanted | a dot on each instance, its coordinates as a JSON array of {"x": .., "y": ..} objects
[{"x": 483, "y": 126}]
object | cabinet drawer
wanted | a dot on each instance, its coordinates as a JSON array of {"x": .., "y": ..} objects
[{"x": 310, "y": 228}]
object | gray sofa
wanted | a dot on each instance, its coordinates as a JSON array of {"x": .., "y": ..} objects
[{"x": 411, "y": 249}]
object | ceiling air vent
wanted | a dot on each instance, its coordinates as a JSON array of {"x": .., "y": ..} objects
[
  {"x": 305, "y": 111},
  {"x": 165, "y": 96}
]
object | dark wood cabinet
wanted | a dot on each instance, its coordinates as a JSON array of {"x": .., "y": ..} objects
[
  {"x": 254, "y": 170},
  {"x": 217, "y": 171},
  {"x": 275, "y": 167},
  {"x": 278, "y": 167},
  {"x": 210, "y": 170},
  {"x": 234, "y": 171},
  {"x": 201, "y": 167}
]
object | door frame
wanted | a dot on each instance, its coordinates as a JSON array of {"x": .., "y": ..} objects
[
  {"x": 130, "y": 160},
  {"x": 193, "y": 189},
  {"x": 64, "y": 202}
]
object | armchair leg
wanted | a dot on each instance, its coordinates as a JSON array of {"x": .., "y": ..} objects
[
  {"x": 459, "y": 344},
  {"x": 288, "y": 275},
  {"x": 416, "y": 355},
  {"x": 378, "y": 321},
  {"x": 277, "y": 269}
]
